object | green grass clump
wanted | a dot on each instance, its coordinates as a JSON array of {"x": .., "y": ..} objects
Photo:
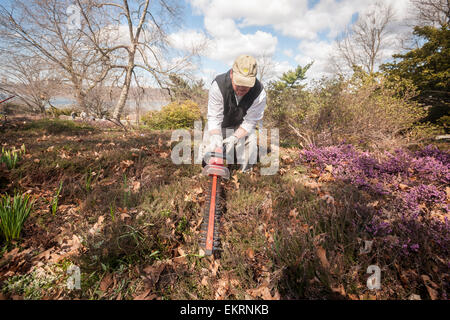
[
  {"x": 54, "y": 202},
  {"x": 13, "y": 213},
  {"x": 12, "y": 157}
]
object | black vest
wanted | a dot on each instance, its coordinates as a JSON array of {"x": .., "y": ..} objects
[{"x": 233, "y": 113}]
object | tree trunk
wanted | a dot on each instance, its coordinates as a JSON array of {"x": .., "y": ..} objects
[
  {"x": 79, "y": 94},
  {"x": 126, "y": 87}
]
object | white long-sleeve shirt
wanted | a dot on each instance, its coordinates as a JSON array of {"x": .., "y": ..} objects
[{"x": 215, "y": 109}]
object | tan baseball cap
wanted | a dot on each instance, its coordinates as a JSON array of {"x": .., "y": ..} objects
[{"x": 244, "y": 71}]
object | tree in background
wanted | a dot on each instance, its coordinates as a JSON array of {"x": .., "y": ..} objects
[
  {"x": 265, "y": 67},
  {"x": 362, "y": 44},
  {"x": 41, "y": 28},
  {"x": 427, "y": 63},
  {"x": 144, "y": 44},
  {"x": 285, "y": 99},
  {"x": 32, "y": 81},
  {"x": 428, "y": 67},
  {"x": 181, "y": 89},
  {"x": 434, "y": 13},
  {"x": 109, "y": 39},
  {"x": 291, "y": 79}
]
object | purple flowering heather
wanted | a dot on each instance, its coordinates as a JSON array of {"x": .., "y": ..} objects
[
  {"x": 397, "y": 163},
  {"x": 434, "y": 152},
  {"x": 432, "y": 169},
  {"x": 422, "y": 194},
  {"x": 415, "y": 183}
]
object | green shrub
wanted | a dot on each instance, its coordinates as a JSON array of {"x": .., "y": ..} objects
[
  {"x": 366, "y": 110},
  {"x": 56, "y": 112},
  {"x": 175, "y": 115},
  {"x": 13, "y": 213}
]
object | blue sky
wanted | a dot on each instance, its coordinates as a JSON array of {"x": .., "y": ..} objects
[
  {"x": 291, "y": 32},
  {"x": 287, "y": 32}
]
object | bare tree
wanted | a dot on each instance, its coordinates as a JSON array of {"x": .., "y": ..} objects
[
  {"x": 265, "y": 66},
  {"x": 113, "y": 40},
  {"x": 362, "y": 43},
  {"x": 432, "y": 12},
  {"x": 41, "y": 27},
  {"x": 143, "y": 45},
  {"x": 32, "y": 81}
]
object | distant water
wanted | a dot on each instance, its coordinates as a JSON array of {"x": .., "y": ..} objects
[{"x": 64, "y": 102}]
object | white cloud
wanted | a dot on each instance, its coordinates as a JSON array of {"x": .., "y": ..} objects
[
  {"x": 281, "y": 67},
  {"x": 187, "y": 40},
  {"x": 224, "y": 20},
  {"x": 319, "y": 52},
  {"x": 227, "y": 49},
  {"x": 290, "y": 17},
  {"x": 226, "y": 45}
]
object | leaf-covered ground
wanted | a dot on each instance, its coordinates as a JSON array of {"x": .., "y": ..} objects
[{"x": 130, "y": 220}]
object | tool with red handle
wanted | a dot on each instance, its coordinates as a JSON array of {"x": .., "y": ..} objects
[{"x": 216, "y": 169}]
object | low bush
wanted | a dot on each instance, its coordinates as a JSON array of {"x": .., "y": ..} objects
[
  {"x": 366, "y": 110},
  {"x": 175, "y": 115},
  {"x": 56, "y": 112}
]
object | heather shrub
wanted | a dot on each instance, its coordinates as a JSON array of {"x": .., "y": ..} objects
[
  {"x": 175, "y": 115},
  {"x": 409, "y": 188}
]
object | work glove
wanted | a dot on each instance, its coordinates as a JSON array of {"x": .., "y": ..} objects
[
  {"x": 215, "y": 141},
  {"x": 230, "y": 142}
]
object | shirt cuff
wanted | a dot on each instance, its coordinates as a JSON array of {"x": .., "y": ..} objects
[
  {"x": 248, "y": 126},
  {"x": 213, "y": 125}
]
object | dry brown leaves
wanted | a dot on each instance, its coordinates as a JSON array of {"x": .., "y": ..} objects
[
  {"x": 98, "y": 226},
  {"x": 293, "y": 213},
  {"x": 125, "y": 164},
  {"x": 68, "y": 248},
  {"x": 235, "y": 181},
  {"x": 431, "y": 287},
  {"x": 15, "y": 261},
  {"x": 194, "y": 195},
  {"x": 312, "y": 184},
  {"x": 106, "y": 282},
  {"x": 153, "y": 273},
  {"x": 264, "y": 292},
  {"x": 287, "y": 159},
  {"x": 164, "y": 155},
  {"x": 225, "y": 287},
  {"x": 250, "y": 253},
  {"x": 146, "y": 295},
  {"x": 214, "y": 267}
]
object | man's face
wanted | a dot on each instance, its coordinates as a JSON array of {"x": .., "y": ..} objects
[{"x": 239, "y": 90}]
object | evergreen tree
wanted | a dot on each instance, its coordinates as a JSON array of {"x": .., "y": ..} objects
[{"x": 428, "y": 67}]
